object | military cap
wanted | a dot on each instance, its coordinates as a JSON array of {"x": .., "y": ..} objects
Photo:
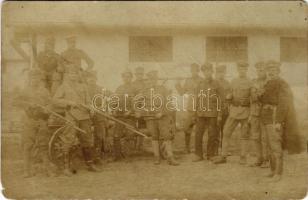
[
  {"x": 127, "y": 71},
  {"x": 242, "y": 64},
  {"x": 272, "y": 64},
  {"x": 71, "y": 38},
  {"x": 152, "y": 74},
  {"x": 207, "y": 66},
  {"x": 260, "y": 65},
  {"x": 194, "y": 66},
  {"x": 221, "y": 68},
  {"x": 139, "y": 70}
]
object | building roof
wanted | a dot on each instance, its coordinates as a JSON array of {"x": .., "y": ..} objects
[{"x": 212, "y": 15}]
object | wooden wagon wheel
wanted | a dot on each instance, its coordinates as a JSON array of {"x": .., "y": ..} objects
[{"x": 59, "y": 143}]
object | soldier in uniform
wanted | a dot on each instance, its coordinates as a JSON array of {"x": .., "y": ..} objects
[
  {"x": 239, "y": 113},
  {"x": 274, "y": 116},
  {"x": 209, "y": 101},
  {"x": 124, "y": 112},
  {"x": 74, "y": 56},
  {"x": 159, "y": 121},
  {"x": 99, "y": 122},
  {"x": 70, "y": 95},
  {"x": 138, "y": 85},
  {"x": 51, "y": 64},
  {"x": 189, "y": 89},
  {"x": 220, "y": 76},
  {"x": 257, "y": 134},
  {"x": 35, "y": 136}
]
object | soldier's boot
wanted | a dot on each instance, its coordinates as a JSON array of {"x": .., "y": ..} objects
[
  {"x": 170, "y": 156},
  {"x": 67, "y": 171},
  {"x": 187, "y": 142},
  {"x": 257, "y": 147},
  {"x": 219, "y": 159},
  {"x": 155, "y": 146},
  {"x": 88, "y": 156},
  {"x": 272, "y": 162},
  {"x": 243, "y": 155},
  {"x": 278, "y": 170}
]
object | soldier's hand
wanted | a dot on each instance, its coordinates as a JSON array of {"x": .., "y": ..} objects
[{"x": 158, "y": 115}]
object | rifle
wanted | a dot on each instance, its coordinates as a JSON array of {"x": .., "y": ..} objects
[
  {"x": 57, "y": 115},
  {"x": 128, "y": 126}
]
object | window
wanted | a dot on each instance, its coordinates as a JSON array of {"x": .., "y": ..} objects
[
  {"x": 150, "y": 49},
  {"x": 226, "y": 49},
  {"x": 293, "y": 49}
]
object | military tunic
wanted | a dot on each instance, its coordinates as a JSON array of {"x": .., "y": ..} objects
[{"x": 74, "y": 57}]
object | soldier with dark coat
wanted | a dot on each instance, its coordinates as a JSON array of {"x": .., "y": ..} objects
[
  {"x": 210, "y": 98},
  {"x": 159, "y": 121},
  {"x": 123, "y": 110},
  {"x": 189, "y": 89},
  {"x": 239, "y": 113},
  {"x": 51, "y": 64},
  {"x": 70, "y": 95},
  {"x": 35, "y": 136},
  {"x": 276, "y": 114}
]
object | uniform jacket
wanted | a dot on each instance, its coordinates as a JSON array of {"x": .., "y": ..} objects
[
  {"x": 125, "y": 94},
  {"x": 49, "y": 61},
  {"x": 77, "y": 93},
  {"x": 74, "y": 56},
  {"x": 209, "y": 105},
  {"x": 256, "y": 92}
]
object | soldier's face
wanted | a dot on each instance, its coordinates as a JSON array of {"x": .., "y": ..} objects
[
  {"x": 139, "y": 75},
  {"x": 127, "y": 78},
  {"x": 207, "y": 74},
  {"x": 194, "y": 71},
  {"x": 273, "y": 73},
  {"x": 261, "y": 73},
  {"x": 242, "y": 71}
]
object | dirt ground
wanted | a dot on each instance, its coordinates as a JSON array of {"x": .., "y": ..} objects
[{"x": 138, "y": 178}]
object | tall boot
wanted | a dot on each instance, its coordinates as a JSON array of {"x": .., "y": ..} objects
[
  {"x": 155, "y": 145},
  {"x": 170, "y": 157},
  {"x": 257, "y": 148},
  {"x": 243, "y": 155},
  {"x": 187, "y": 141},
  {"x": 67, "y": 171},
  {"x": 272, "y": 162},
  {"x": 278, "y": 169},
  {"x": 88, "y": 154}
]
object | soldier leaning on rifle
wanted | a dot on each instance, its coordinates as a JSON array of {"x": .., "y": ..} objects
[
  {"x": 35, "y": 136},
  {"x": 159, "y": 121},
  {"x": 51, "y": 64},
  {"x": 209, "y": 101},
  {"x": 189, "y": 88},
  {"x": 257, "y": 132},
  {"x": 220, "y": 76},
  {"x": 239, "y": 113},
  {"x": 69, "y": 96},
  {"x": 74, "y": 56},
  {"x": 276, "y": 115},
  {"x": 99, "y": 122},
  {"x": 121, "y": 136},
  {"x": 138, "y": 85}
]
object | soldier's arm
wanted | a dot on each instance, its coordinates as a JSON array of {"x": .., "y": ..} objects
[{"x": 88, "y": 60}]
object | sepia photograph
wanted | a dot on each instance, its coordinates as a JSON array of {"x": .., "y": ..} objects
[{"x": 154, "y": 100}]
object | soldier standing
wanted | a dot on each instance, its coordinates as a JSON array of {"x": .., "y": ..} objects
[
  {"x": 74, "y": 56},
  {"x": 189, "y": 89},
  {"x": 50, "y": 63},
  {"x": 138, "y": 85},
  {"x": 221, "y": 78},
  {"x": 239, "y": 113},
  {"x": 210, "y": 94},
  {"x": 275, "y": 117},
  {"x": 99, "y": 122},
  {"x": 35, "y": 136},
  {"x": 70, "y": 95},
  {"x": 124, "y": 112},
  {"x": 257, "y": 134},
  {"x": 158, "y": 119}
]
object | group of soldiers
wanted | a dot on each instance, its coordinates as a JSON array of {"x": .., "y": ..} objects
[{"x": 59, "y": 87}]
